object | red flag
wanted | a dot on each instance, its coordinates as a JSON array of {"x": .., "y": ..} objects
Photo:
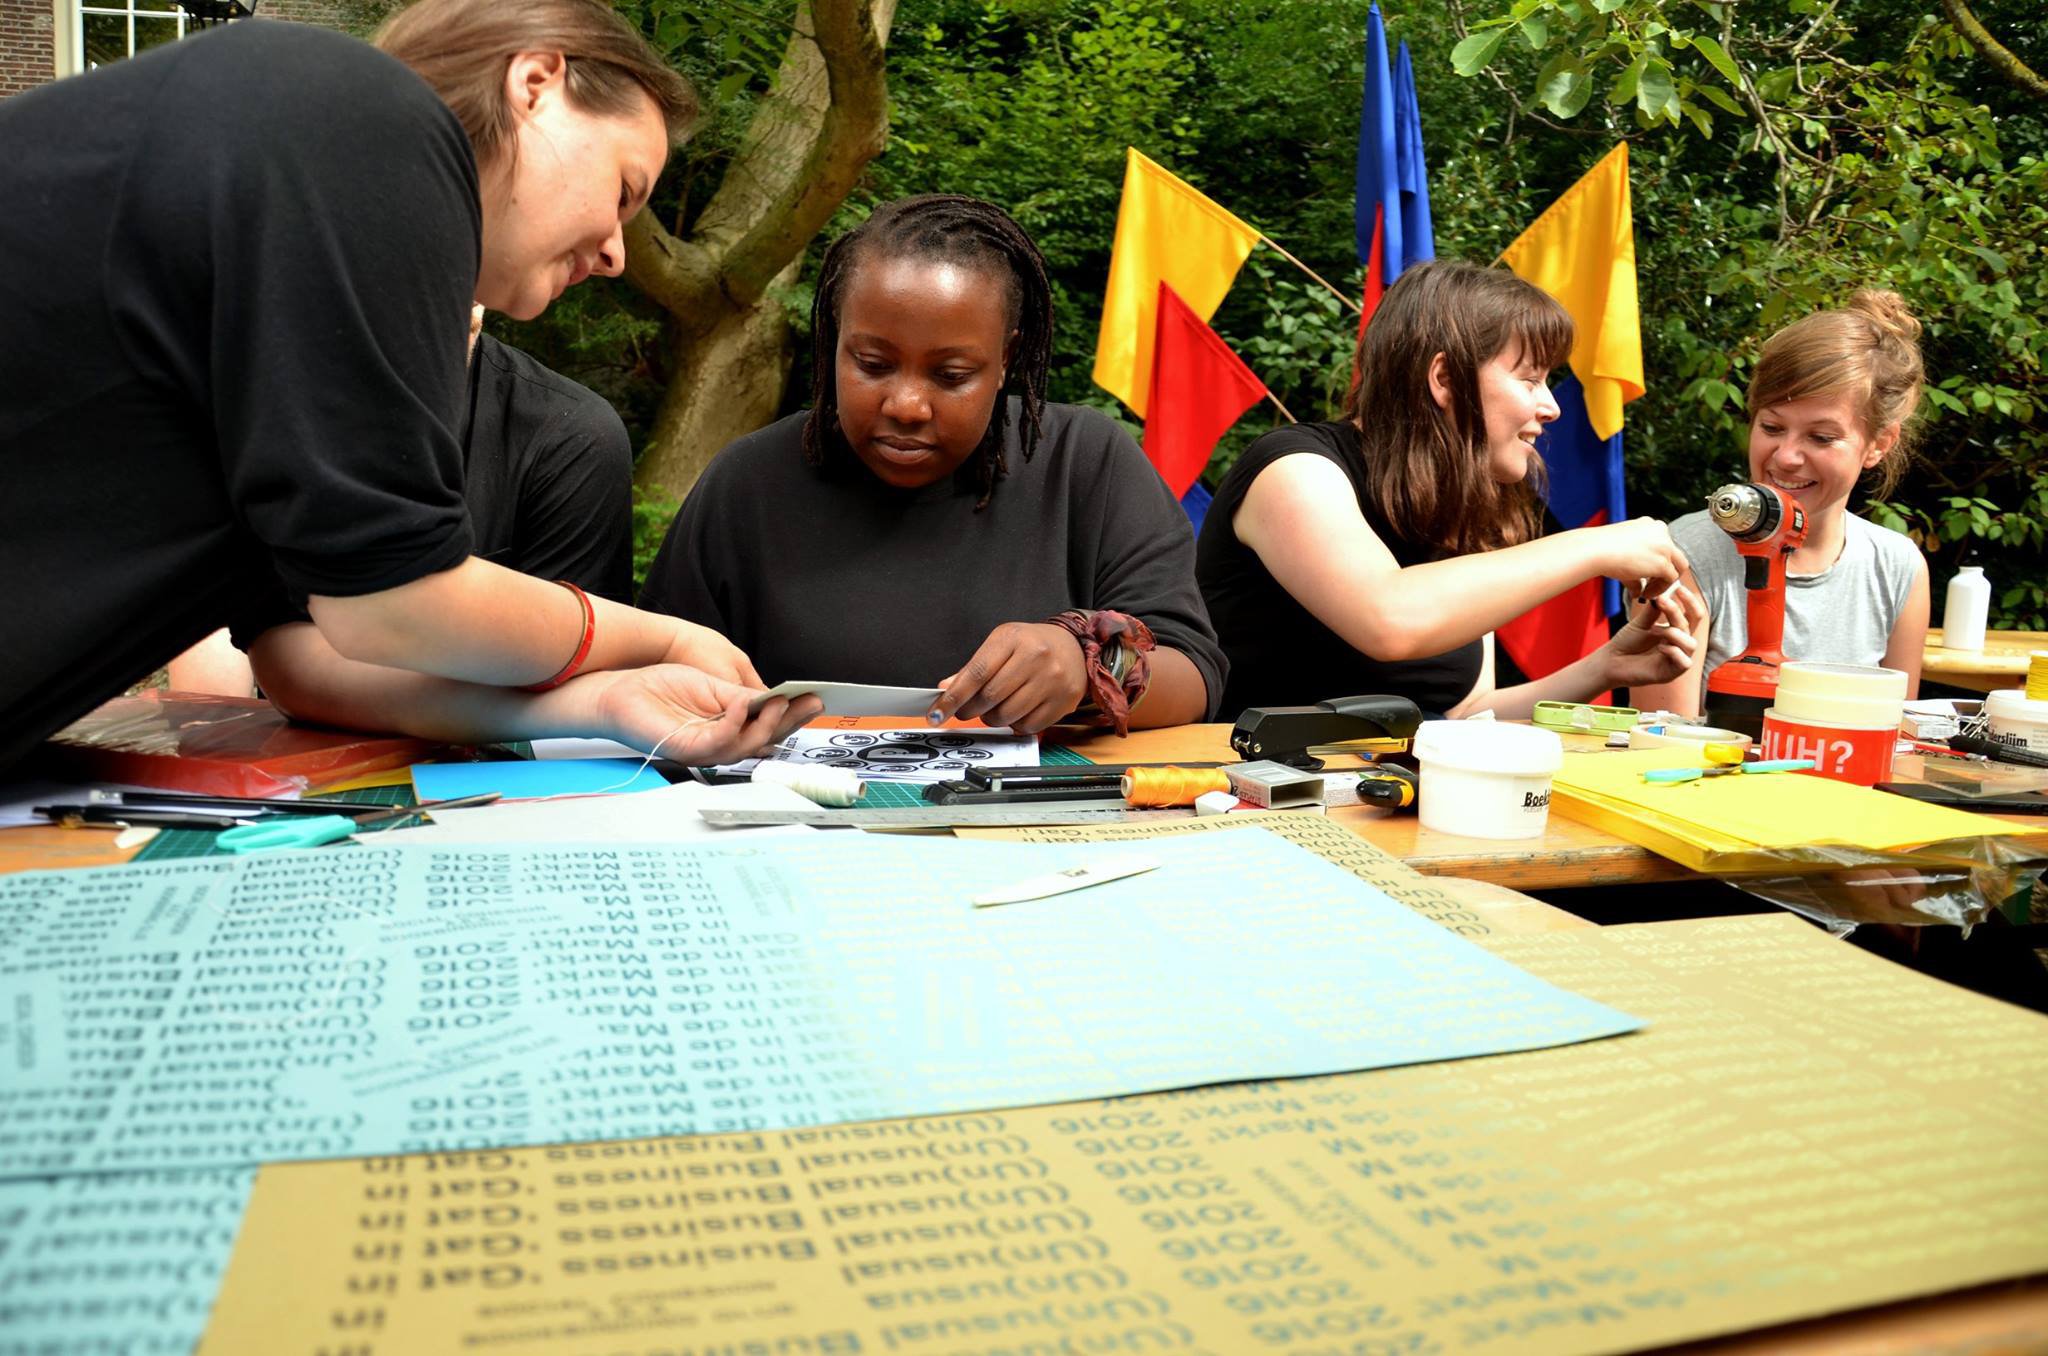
[
  {"x": 1375, "y": 265},
  {"x": 1199, "y": 388}
]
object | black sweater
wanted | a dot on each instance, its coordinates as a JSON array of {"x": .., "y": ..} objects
[{"x": 830, "y": 574}]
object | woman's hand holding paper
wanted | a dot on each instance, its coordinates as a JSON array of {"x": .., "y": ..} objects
[
  {"x": 1026, "y": 675},
  {"x": 682, "y": 713}
]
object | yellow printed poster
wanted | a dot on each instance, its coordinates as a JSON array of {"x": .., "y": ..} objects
[{"x": 1802, "y": 1129}]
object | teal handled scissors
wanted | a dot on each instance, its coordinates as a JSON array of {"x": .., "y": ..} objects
[
  {"x": 1693, "y": 774},
  {"x": 312, "y": 831}
]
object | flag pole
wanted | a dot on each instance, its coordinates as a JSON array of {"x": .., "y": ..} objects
[
  {"x": 1268, "y": 240},
  {"x": 1282, "y": 408}
]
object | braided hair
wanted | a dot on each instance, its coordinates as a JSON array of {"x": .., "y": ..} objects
[{"x": 948, "y": 228}]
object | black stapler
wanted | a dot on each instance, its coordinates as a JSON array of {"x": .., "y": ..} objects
[{"x": 1284, "y": 734}]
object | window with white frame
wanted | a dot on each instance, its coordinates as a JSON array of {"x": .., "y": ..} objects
[{"x": 113, "y": 30}]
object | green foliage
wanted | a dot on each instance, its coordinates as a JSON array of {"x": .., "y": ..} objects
[
  {"x": 1804, "y": 150},
  {"x": 1886, "y": 155},
  {"x": 652, "y": 513}
]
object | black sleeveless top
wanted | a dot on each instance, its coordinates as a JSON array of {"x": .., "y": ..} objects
[{"x": 1279, "y": 654}]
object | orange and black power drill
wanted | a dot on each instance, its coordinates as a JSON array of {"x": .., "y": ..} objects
[{"x": 1768, "y": 525}]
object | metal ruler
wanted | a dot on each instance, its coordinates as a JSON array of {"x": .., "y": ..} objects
[{"x": 944, "y": 816}]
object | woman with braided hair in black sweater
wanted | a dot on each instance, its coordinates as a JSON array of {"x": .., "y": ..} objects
[{"x": 934, "y": 521}]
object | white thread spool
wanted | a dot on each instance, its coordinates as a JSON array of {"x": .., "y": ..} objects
[{"x": 828, "y": 786}]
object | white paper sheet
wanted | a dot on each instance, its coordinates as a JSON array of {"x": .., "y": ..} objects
[
  {"x": 857, "y": 699},
  {"x": 917, "y": 754}
]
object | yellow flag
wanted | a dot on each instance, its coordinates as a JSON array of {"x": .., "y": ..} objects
[
  {"x": 1167, "y": 232},
  {"x": 1582, "y": 251}
]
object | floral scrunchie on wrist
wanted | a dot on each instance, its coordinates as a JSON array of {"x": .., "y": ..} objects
[{"x": 1116, "y": 650}]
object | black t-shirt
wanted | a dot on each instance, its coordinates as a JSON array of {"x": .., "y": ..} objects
[
  {"x": 235, "y": 277},
  {"x": 548, "y": 472},
  {"x": 1280, "y": 655},
  {"x": 830, "y": 574}
]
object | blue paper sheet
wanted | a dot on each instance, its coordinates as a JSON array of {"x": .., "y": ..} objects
[
  {"x": 532, "y": 780},
  {"x": 127, "y": 1263},
  {"x": 385, "y": 999}
]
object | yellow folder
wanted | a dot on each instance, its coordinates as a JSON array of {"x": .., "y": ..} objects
[{"x": 1754, "y": 822}]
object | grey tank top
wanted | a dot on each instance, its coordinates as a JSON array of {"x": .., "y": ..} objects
[{"x": 1843, "y": 615}]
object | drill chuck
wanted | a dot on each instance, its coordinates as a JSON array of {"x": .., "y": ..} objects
[{"x": 1744, "y": 511}]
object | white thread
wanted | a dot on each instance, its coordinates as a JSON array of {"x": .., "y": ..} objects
[
  {"x": 645, "y": 763},
  {"x": 831, "y": 786}
]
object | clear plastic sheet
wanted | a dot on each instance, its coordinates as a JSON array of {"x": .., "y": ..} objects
[
  {"x": 229, "y": 746},
  {"x": 1839, "y": 854},
  {"x": 1983, "y": 781},
  {"x": 1959, "y": 883}
]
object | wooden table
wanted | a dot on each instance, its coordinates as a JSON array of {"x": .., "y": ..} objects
[
  {"x": 53, "y": 849},
  {"x": 2002, "y": 663},
  {"x": 2009, "y": 1317},
  {"x": 1568, "y": 855}
]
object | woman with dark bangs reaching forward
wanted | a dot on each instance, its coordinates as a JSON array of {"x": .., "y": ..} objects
[{"x": 1378, "y": 553}]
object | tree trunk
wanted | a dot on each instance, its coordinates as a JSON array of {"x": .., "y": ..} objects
[
  {"x": 727, "y": 341},
  {"x": 723, "y": 383}
]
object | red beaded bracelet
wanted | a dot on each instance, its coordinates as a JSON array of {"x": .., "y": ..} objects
[{"x": 569, "y": 669}]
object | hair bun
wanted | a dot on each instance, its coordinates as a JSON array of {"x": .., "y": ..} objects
[{"x": 1888, "y": 311}]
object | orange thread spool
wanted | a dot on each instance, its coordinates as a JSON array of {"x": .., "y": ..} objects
[{"x": 1167, "y": 786}]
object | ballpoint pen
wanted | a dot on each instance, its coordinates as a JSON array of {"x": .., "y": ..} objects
[
  {"x": 239, "y": 807},
  {"x": 118, "y": 816}
]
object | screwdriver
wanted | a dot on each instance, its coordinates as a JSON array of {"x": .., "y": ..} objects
[{"x": 1388, "y": 785}]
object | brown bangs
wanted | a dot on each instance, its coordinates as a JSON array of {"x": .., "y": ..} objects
[
  {"x": 1541, "y": 329},
  {"x": 1427, "y": 476}
]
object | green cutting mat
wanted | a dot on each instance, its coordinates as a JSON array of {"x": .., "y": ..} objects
[
  {"x": 910, "y": 795},
  {"x": 175, "y": 843},
  {"x": 172, "y": 844}
]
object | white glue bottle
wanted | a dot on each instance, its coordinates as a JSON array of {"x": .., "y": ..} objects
[{"x": 1968, "y": 605}]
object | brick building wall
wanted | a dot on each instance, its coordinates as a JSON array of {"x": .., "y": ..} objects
[
  {"x": 28, "y": 45},
  {"x": 28, "y": 31},
  {"x": 326, "y": 13}
]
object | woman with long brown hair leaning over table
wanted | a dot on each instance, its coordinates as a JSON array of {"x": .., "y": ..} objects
[{"x": 1378, "y": 552}]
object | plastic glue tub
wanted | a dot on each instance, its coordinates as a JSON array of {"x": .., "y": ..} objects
[
  {"x": 2016, "y": 721},
  {"x": 1485, "y": 778}
]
